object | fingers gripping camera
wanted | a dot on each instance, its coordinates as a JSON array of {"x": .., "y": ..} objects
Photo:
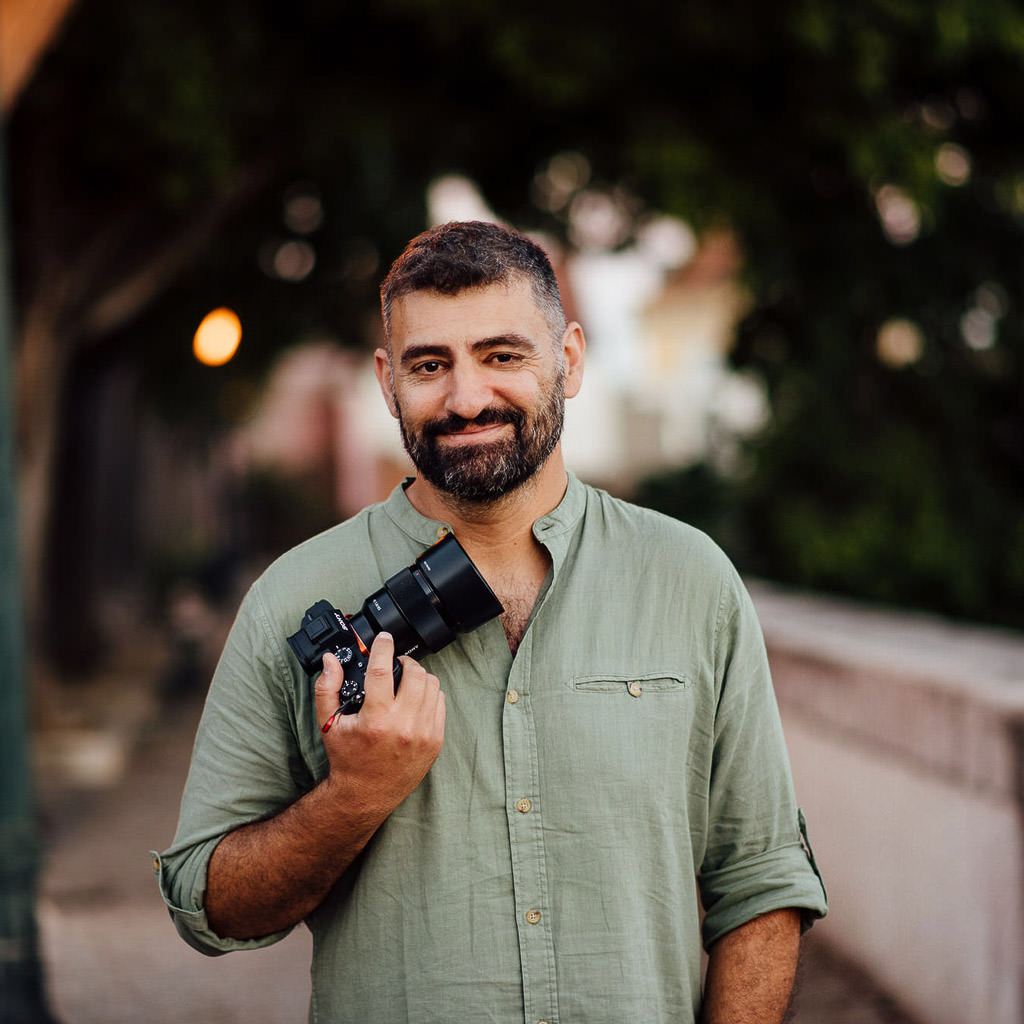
[
  {"x": 424, "y": 606},
  {"x": 329, "y": 632}
]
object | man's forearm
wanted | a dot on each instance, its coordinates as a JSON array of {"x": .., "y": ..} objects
[
  {"x": 268, "y": 876},
  {"x": 751, "y": 971}
]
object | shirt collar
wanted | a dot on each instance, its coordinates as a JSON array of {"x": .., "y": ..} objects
[{"x": 559, "y": 521}]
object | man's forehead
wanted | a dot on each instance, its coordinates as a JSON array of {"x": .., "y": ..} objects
[{"x": 466, "y": 315}]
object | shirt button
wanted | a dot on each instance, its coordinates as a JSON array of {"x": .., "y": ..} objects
[
  {"x": 635, "y": 689},
  {"x": 512, "y": 696},
  {"x": 523, "y": 806},
  {"x": 156, "y": 864},
  {"x": 533, "y": 916},
  {"x": 442, "y": 532}
]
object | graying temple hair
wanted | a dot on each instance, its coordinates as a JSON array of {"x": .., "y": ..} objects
[{"x": 461, "y": 255}]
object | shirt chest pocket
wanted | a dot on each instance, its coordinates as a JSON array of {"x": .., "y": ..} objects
[
  {"x": 617, "y": 729},
  {"x": 634, "y": 686}
]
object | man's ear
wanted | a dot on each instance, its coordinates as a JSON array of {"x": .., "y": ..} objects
[
  {"x": 573, "y": 346},
  {"x": 385, "y": 378}
]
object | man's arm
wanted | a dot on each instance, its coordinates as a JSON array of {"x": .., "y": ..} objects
[
  {"x": 267, "y": 876},
  {"x": 751, "y": 971}
]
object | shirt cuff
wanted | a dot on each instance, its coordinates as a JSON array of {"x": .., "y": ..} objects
[
  {"x": 190, "y": 920},
  {"x": 774, "y": 880}
]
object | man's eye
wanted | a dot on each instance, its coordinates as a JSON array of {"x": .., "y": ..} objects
[
  {"x": 430, "y": 366},
  {"x": 504, "y": 358}
]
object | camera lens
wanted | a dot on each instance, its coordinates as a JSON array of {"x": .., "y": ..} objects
[
  {"x": 464, "y": 595},
  {"x": 427, "y": 604}
]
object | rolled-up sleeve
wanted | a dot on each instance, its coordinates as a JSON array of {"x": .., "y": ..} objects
[
  {"x": 757, "y": 857},
  {"x": 246, "y": 766},
  {"x": 181, "y": 877}
]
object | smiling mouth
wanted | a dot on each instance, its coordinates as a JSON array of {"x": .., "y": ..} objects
[
  {"x": 473, "y": 434},
  {"x": 489, "y": 427}
]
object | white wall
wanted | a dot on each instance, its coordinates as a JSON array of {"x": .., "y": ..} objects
[{"x": 905, "y": 737}]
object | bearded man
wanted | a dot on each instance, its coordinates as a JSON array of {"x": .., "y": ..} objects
[{"x": 546, "y": 818}]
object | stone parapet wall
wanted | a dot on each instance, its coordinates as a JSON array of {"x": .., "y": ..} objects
[{"x": 906, "y": 735}]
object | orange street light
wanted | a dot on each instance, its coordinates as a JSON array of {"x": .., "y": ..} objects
[{"x": 217, "y": 337}]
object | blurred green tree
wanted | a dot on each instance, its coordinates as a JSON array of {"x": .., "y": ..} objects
[
  {"x": 883, "y": 240},
  {"x": 864, "y": 155}
]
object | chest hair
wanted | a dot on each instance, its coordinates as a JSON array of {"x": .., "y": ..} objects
[{"x": 518, "y": 598}]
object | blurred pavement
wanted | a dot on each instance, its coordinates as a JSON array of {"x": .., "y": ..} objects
[{"x": 111, "y": 955}]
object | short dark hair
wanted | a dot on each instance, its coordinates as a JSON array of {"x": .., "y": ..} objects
[{"x": 461, "y": 255}]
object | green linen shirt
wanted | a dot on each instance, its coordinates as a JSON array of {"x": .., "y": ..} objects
[{"x": 547, "y": 868}]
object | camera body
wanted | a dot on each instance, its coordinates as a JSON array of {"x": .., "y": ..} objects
[
  {"x": 330, "y": 632},
  {"x": 424, "y": 607}
]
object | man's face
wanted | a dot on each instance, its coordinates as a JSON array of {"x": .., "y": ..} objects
[{"x": 478, "y": 384}]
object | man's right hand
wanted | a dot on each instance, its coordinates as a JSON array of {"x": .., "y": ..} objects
[
  {"x": 269, "y": 875},
  {"x": 380, "y": 755}
]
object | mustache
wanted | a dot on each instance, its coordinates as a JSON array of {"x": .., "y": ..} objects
[{"x": 488, "y": 417}]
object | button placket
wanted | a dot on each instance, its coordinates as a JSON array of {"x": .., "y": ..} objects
[{"x": 526, "y": 840}]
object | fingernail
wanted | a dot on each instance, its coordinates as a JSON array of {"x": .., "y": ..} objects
[{"x": 387, "y": 636}]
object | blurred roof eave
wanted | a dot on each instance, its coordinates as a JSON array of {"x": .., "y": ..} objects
[{"x": 26, "y": 28}]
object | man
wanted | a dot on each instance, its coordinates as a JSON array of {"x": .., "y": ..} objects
[{"x": 527, "y": 843}]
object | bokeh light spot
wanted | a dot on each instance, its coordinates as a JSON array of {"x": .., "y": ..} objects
[
  {"x": 217, "y": 337},
  {"x": 953, "y": 164},
  {"x": 899, "y": 343}
]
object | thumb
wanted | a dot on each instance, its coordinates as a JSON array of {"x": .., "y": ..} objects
[{"x": 327, "y": 688}]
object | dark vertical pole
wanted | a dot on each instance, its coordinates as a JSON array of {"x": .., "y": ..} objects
[{"x": 22, "y": 999}]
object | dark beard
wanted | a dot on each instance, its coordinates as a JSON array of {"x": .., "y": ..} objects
[{"x": 487, "y": 471}]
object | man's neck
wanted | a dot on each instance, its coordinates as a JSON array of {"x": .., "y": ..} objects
[{"x": 498, "y": 537}]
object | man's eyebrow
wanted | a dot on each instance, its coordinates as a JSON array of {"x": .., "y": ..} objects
[
  {"x": 512, "y": 340},
  {"x": 424, "y": 351}
]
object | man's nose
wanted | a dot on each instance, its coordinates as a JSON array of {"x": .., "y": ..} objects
[{"x": 468, "y": 392}]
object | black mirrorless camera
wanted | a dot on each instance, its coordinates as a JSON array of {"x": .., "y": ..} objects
[{"x": 424, "y": 607}]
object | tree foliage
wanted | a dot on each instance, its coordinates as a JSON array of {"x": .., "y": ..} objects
[
  {"x": 893, "y": 474},
  {"x": 865, "y": 156}
]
